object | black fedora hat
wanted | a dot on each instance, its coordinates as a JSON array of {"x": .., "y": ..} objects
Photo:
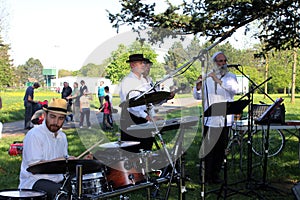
[
  {"x": 136, "y": 57},
  {"x": 148, "y": 61}
]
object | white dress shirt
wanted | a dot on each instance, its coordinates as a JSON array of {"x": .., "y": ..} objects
[
  {"x": 134, "y": 86},
  {"x": 215, "y": 93},
  {"x": 41, "y": 145}
]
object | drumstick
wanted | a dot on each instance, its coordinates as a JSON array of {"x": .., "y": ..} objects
[{"x": 89, "y": 149}]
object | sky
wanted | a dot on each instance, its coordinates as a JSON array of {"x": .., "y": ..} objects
[{"x": 65, "y": 34}]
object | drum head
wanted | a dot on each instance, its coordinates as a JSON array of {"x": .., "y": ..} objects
[
  {"x": 96, "y": 175},
  {"x": 22, "y": 194}
]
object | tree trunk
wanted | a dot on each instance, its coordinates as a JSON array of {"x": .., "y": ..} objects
[
  {"x": 293, "y": 89},
  {"x": 266, "y": 76}
]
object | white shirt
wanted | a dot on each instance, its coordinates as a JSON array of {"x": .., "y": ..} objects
[
  {"x": 134, "y": 86},
  {"x": 41, "y": 145},
  {"x": 218, "y": 93}
]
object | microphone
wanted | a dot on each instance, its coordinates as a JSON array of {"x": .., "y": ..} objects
[{"x": 232, "y": 65}]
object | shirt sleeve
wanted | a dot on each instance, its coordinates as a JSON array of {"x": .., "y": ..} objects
[
  {"x": 33, "y": 150},
  {"x": 230, "y": 84}
]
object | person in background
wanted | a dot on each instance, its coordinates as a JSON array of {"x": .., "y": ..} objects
[
  {"x": 82, "y": 88},
  {"x": 30, "y": 104},
  {"x": 101, "y": 93},
  {"x": 67, "y": 91},
  {"x": 220, "y": 85},
  {"x": 107, "y": 112},
  {"x": 75, "y": 96},
  {"x": 85, "y": 110},
  {"x": 39, "y": 115},
  {"x": 107, "y": 92}
]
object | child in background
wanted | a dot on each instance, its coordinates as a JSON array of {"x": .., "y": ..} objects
[{"x": 107, "y": 112}]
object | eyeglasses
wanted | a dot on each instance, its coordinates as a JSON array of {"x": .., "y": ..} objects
[{"x": 221, "y": 60}]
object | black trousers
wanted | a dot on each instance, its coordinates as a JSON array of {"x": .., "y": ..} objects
[
  {"x": 86, "y": 112},
  {"x": 52, "y": 188},
  {"x": 146, "y": 140},
  {"x": 215, "y": 157},
  {"x": 28, "y": 114},
  {"x": 101, "y": 99}
]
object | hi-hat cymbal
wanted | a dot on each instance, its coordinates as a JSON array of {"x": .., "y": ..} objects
[
  {"x": 63, "y": 166},
  {"x": 154, "y": 97},
  {"x": 119, "y": 144}
]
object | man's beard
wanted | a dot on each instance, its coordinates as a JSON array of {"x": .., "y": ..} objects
[{"x": 53, "y": 127}]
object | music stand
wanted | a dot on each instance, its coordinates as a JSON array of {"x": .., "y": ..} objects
[
  {"x": 266, "y": 116},
  {"x": 224, "y": 109}
]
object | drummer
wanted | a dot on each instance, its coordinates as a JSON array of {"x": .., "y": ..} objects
[{"x": 43, "y": 143}]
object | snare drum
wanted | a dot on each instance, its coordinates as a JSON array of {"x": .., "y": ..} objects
[
  {"x": 22, "y": 194},
  {"x": 122, "y": 174},
  {"x": 93, "y": 184}
]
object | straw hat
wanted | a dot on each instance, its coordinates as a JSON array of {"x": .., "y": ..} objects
[{"x": 57, "y": 106}]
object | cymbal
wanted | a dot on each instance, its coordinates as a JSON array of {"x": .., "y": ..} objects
[
  {"x": 63, "y": 166},
  {"x": 119, "y": 144},
  {"x": 154, "y": 97}
]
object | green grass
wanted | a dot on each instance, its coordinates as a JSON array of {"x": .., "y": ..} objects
[{"x": 282, "y": 171}]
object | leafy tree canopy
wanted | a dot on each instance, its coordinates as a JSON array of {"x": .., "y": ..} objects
[
  {"x": 279, "y": 20},
  {"x": 117, "y": 69},
  {"x": 33, "y": 68},
  {"x": 6, "y": 70}
]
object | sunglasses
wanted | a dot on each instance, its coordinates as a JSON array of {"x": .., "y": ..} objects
[{"x": 221, "y": 60}]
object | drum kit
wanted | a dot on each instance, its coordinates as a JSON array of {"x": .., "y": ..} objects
[{"x": 92, "y": 179}]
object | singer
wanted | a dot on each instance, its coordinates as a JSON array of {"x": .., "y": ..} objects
[{"x": 219, "y": 85}]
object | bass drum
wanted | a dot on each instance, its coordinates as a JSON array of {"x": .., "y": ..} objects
[
  {"x": 123, "y": 173},
  {"x": 22, "y": 194}
]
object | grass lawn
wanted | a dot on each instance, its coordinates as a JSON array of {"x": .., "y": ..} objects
[{"x": 282, "y": 171}]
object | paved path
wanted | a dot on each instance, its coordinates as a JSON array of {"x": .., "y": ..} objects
[{"x": 17, "y": 127}]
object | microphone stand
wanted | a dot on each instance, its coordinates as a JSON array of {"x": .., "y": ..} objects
[{"x": 250, "y": 127}]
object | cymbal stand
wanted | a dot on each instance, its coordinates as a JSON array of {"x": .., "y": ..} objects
[
  {"x": 249, "y": 95},
  {"x": 144, "y": 155},
  {"x": 61, "y": 190},
  {"x": 158, "y": 134},
  {"x": 178, "y": 150}
]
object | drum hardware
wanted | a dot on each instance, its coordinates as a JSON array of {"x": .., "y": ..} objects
[
  {"x": 132, "y": 188},
  {"x": 66, "y": 167}
]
